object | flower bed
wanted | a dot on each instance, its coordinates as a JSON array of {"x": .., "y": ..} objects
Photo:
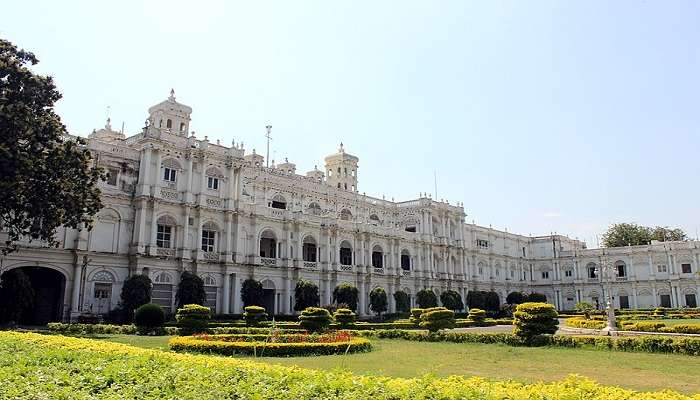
[
  {"x": 34, "y": 366},
  {"x": 272, "y": 345}
]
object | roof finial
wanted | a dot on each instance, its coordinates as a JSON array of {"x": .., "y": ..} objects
[
  {"x": 341, "y": 149},
  {"x": 172, "y": 95},
  {"x": 108, "y": 125}
]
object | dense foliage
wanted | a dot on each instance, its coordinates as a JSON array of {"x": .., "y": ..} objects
[
  {"x": 477, "y": 314},
  {"x": 415, "y": 315},
  {"x": 251, "y": 293},
  {"x": 190, "y": 290},
  {"x": 378, "y": 300},
  {"x": 426, "y": 298},
  {"x": 535, "y": 297},
  {"x": 315, "y": 319},
  {"x": 193, "y": 318},
  {"x": 346, "y": 293},
  {"x": 149, "y": 317},
  {"x": 136, "y": 292},
  {"x": 46, "y": 366},
  {"x": 515, "y": 298},
  {"x": 16, "y": 296},
  {"x": 344, "y": 317},
  {"x": 585, "y": 308},
  {"x": 534, "y": 319},
  {"x": 402, "y": 300},
  {"x": 254, "y": 315},
  {"x": 305, "y": 295},
  {"x": 488, "y": 301},
  {"x": 46, "y": 179},
  {"x": 437, "y": 318},
  {"x": 628, "y": 234},
  {"x": 451, "y": 300}
]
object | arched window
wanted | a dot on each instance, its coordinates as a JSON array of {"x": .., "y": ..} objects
[
  {"x": 209, "y": 236},
  {"x": 345, "y": 214},
  {"x": 165, "y": 232},
  {"x": 163, "y": 277},
  {"x": 169, "y": 124},
  {"x": 103, "y": 276},
  {"x": 268, "y": 244},
  {"x": 374, "y": 219},
  {"x": 314, "y": 209},
  {"x": 620, "y": 269},
  {"x": 377, "y": 257},
  {"x": 592, "y": 270},
  {"x": 182, "y": 126},
  {"x": 170, "y": 168},
  {"x": 405, "y": 260},
  {"x": 279, "y": 202},
  {"x": 213, "y": 175},
  {"x": 309, "y": 249},
  {"x": 345, "y": 253},
  {"x": 208, "y": 280}
]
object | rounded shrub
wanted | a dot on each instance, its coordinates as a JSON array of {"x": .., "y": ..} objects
[
  {"x": 415, "y": 315},
  {"x": 315, "y": 319},
  {"x": 149, "y": 317},
  {"x": 426, "y": 298},
  {"x": 344, "y": 317},
  {"x": 254, "y": 315},
  {"x": 534, "y": 319},
  {"x": 193, "y": 318},
  {"x": 437, "y": 318},
  {"x": 477, "y": 314}
]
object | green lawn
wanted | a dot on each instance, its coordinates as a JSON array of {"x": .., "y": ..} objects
[
  {"x": 399, "y": 358},
  {"x": 671, "y": 322}
]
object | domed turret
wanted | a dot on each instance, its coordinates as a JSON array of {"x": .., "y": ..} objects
[{"x": 341, "y": 170}]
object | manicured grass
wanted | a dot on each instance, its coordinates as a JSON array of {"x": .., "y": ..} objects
[
  {"x": 399, "y": 358},
  {"x": 671, "y": 322}
]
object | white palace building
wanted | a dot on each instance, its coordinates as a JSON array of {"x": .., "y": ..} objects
[{"x": 175, "y": 203}]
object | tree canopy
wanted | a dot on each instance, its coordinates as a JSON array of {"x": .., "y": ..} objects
[
  {"x": 629, "y": 234},
  {"x": 346, "y": 293},
  {"x": 190, "y": 290},
  {"x": 136, "y": 292},
  {"x": 46, "y": 179},
  {"x": 251, "y": 293},
  {"x": 305, "y": 295},
  {"x": 378, "y": 300}
]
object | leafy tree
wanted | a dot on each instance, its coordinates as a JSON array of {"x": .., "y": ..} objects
[
  {"x": 488, "y": 301},
  {"x": 46, "y": 179},
  {"x": 190, "y": 290},
  {"x": 251, "y": 293},
  {"x": 346, "y": 293},
  {"x": 493, "y": 302},
  {"x": 306, "y": 295},
  {"x": 451, "y": 300},
  {"x": 534, "y": 319},
  {"x": 628, "y": 234},
  {"x": 535, "y": 297},
  {"x": 426, "y": 298},
  {"x": 378, "y": 300},
  {"x": 515, "y": 298},
  {"x": 403, "y": 302},
  {"x": 148, "y": 318},
  {"x": 136, "y": 292},
  {"x": 16, "y": 295}
]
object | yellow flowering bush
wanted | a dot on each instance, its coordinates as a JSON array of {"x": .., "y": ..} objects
[{"x": 34, "y": 366}]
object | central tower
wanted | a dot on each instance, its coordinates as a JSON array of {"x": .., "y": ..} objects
[{"x": 341, "y": 170}]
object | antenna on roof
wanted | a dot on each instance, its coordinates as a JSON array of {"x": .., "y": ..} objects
[{"x": 435, "y": 179}]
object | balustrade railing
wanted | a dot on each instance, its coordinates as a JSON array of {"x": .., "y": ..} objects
[{"x": 269, "y": 262}]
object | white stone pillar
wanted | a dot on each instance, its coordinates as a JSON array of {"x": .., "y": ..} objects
[
  {"x": 225, "y": 309},
  {"x": 75, "y": 299}
]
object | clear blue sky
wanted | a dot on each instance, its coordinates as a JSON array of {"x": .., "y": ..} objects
[{"x": 540, "y": 116}]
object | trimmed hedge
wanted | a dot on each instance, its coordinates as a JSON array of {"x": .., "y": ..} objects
[
  {"x": 315, "y": 319},
  {"x": 437, "y": 318},
  {"x": 650, "y": 326},
  {"x": 193, "y": 318},
  {"x": 257, "y": 346},
  {"x": 254, "y": 315},
  {"x": 344, "y": 317},
  {"x": 477, "y": 314},
  {"x": 36, "y": 366},
  {"x": 149, "y": 318},
  {"x": 649, "y": 344},
  {"x": 533, "y": 319},
  {"x": 579, "y": 322},
  {"x": 415, "y": 316}
]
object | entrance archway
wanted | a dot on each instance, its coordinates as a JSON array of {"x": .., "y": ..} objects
[
  {"x": 268, "y": 299},
  {"x": 49, "y": 289}
]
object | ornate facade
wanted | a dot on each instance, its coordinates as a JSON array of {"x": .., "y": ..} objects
[{"x": 174, "y": 202}]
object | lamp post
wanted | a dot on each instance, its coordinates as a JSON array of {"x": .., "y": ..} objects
[{"x": 605, "y": 269}]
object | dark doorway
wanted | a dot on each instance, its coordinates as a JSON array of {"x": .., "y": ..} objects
[
  {"x": 49, "y": 287},
  {"x": 268, "y": 301}
]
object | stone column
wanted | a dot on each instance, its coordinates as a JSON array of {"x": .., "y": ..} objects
[
  {"x": 144, "y": 171},
  {"x": 361, "y": 303},
  {"x": 154, "y": 229},
  {"x": 157, "y": 173},
  {"x": 187, "y": 197}
]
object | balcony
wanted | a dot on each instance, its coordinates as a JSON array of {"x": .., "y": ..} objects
[
  {"x": 347, "y": 268},
  {"x": 379, "y": 271},
  {"x": 165, "y": 252},
  {"x": 268, "y": 262},
  {"x": 210, "y": 256},
  {"x": 311, "y": 265},
  {"x": 405, "y": 272},
  {"x": 169, "y": 194}
]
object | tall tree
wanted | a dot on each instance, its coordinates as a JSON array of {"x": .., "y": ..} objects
[
  {"x": 451, "y": 300},
  {"x": 305, "y": 295},
  {"x": 190, "y": 290},
  {"x": 403, "y": 301},
  {"x": 46, "y": 180},
  {"x": 136, "y": 292},
  {"x": 252, "y": 293},
  {"x": 378, "y": 300},
  {"x": 346, "y": 293},
  {"x": 426, "y": 298}
]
